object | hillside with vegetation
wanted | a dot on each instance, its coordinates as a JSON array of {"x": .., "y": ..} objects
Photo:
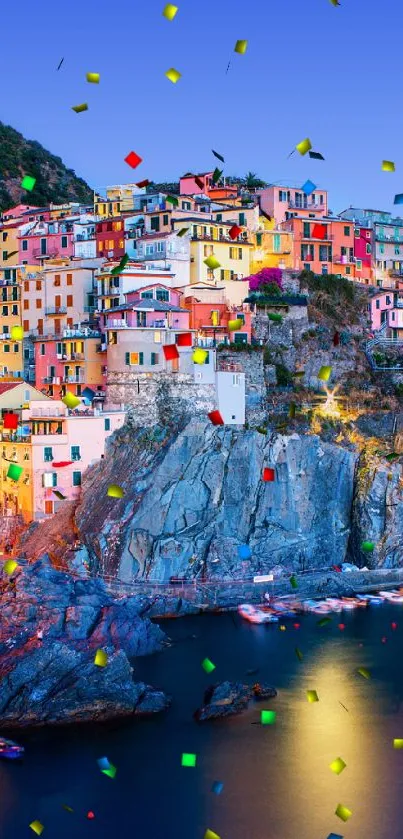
[{"x": 54, "y": 182}]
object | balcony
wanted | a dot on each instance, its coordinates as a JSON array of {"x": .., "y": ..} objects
[
  {"x": 51, "y": 252},
  {"x": 308, "y": 206},
  {"x": 317, "y": 238},
  {"x": 100, "y": 348},
  {"x": 382, "y": 237},
  {"x": 342, "y": 259},
  {"x": 229, "y": 367},
  {"x": 90, "y": 308},
  {"x": 56, "y": 310},
  {"x": 73, "y": 380},
  {"x": 51, "y": 380}
]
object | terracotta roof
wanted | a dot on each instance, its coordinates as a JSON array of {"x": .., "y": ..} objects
[{"x": 4, "y": 387}]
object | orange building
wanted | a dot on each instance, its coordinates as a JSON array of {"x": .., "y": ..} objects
[
  {"x": 211, "y": 321},
  {"x": 323, "y": 245}
]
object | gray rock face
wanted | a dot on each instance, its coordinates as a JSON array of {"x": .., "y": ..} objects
[
  {"x": 55, "y": 684},
  {"x": 377, "y": 515},
  {"x": 50, "y": 628},
  {"x": 207, "y": 497}
]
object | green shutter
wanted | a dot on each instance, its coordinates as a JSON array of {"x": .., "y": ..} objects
[
  {"x": 141, "y": 358},
  {"x": 127, "y": 358},
  {"x": 242, "y": 219},
  {"x": 258, "y": 238},
  {"x": 54, "y": 479}
]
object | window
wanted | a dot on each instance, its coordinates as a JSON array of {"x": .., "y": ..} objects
[
  {"x": 357, "y": 232},
  {"x": 325, "y": 269},
  {"x": 358, "y": 264},
  {"x": 393, "y": 315},
  {"x": 157, "y": 337},
  {"x": 38, "y": 303},
  {"x": 26, "y": 304},
  {"x": 25, "y": 325},
  {"x": 49, "y": 479},
  {"x": 381, "y": 248},
  {"x": 57, "y": 280},
  {"x": 276, "y": 242},
  {"x": 397, "y": 250},
  {"x": 306, "y": 232},
  {"x": 165, "y": 219},
  {"x": 14, "y": 310},
  {"x": 5, "y": 254},
  {"x": 134, "y": 358},
  {"x": 368, "y": 248},
  {"x": 387, "y": 300},
  {"x": 16, "y": 347},
  {"x": 242, "y": 221},
  {"x": 26, "y": 286},
  {"x": 155, "y": 223},
  {"x": 149, "y": 250},
  {"x": 160, "y": 247},
  {"x": 75, "y": 453},
  {"x": 321, "y": 199},
  {"x": 162, "y": 294},
  {"x": 236, "y": 380},
  {"x": 259, "y": 238},
  {"x": 282, "y": 195},
  {"x": 38, "y": 285},
  {"x": 147, "y": 295},
  {"x": 348, "y": 269},
  {"x": 107, "y": 424},
  {"x": 377, "y": 304},
  {"x": 117, "y": 225},
  {"x": 235, "y": 253},
  {"x": 42, "y": 349},
  {"x": 154, "y": 358},
  {"x": 69, "y": 279},
  {"x": 48, "y": 454},
  {"x": 4, "y": 310},
  {"x": 69, "y": 300},
  {"x": 6, "y": 347},
  {"x": 64, "y": 241},
  {"x": 121, "y": 243},
  {"x": 76, "y": 479},
  {"x": 219, "y": 217},
  {"x": 4, "y": 237},
  {"x": 240, "y": 338},
  {"x": 24, "y": 245},
  {"x": 346, "y": 231}
]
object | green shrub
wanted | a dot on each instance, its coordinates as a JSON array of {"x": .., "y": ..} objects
[{"x": 283, "y": 375}]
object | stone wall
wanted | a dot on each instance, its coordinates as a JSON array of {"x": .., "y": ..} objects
[
  {"x": 251, "y": 364},
  {"x": 160, "y": 397}
]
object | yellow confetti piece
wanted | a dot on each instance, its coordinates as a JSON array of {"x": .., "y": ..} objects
[
  {"x": 79, "y": 108},
  {"x": 388, "y": 166},
  {"x": 37, "y": 827},
  {"x": 9, "y": 566},
  {"x": 235, "y": 324},
  {"x": 240, "y": 47},
  {"x": 337, "y": 766},
  {"x": 101, "y": 658},
  {"x": 312, "y": 696},
  {"x": 398, "y": 744},
  {"x": 324, "y": 373},
  {"x": 364, "y": 672},
  {"x": 209, "y": 834},
  {"x": 70, "y": 400},
  {"x": 343, "y": 812},
  {"x": 282, "y": 628},
  {"x": 304, "y": 146},
  {"x": 199, "y": 356},
  {"x": 170, "y": 11},
  {"x": 17, "y": 333},
  {"x": 115, "y": 491},
  {"x": 212, "y": 262},
  {"x": 173, "y": 75},
  {"x": 93, "y": 77}
]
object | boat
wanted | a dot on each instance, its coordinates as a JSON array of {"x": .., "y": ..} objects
[
  {"x": 335, "y": 603},
  {"x": 318, "y": 607},
  {"x": 10, "y": 750},
  {"x": 391, "y": 596},
  {"x": 282, "y": 607},
  {"x": 355, "y": 601},
  {"x": 371, "y": 599},
  {"x": 255, "y": 615}
]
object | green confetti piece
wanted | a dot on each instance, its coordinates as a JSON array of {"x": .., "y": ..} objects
[
  {"x": 14, "y": 472},
  {"x": 172, "y": 200},
  {"x": 121, "y": 265},
  {"x": 111, "y": 771},
  {"x": 293, "y": 581},
  {"x": 208, "y": 665},
  {"x": 323, "y": 621},
  {"x": 392, "y": 456},
  {"x": 275, "y": 317},
  {"x": 268, "y": 717},
  {"x": 188, "y": 759},
  {"x": 28, "y": 183},
  {"x": 324, "y": 373},
  {"x": 398, "y": 744},
  {"x": 367, "y": 547},
  {"x": 212, "y": 262},
  {"x": 364, "y": 672},
  {"x": 343, "y": 812},
  {"x": 217, "y": 175},
  {"x": 298, "y": 654},
  {"x": 292, "y": 410},
  {"x": 337, "y": 766}
]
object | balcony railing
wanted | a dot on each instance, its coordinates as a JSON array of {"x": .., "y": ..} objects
[
  {"x": 56, "y": 310},
  {"x": 326, "y": 238},
  {"x": 51, "y": 380},
  {"x": 308, "y": 206},
  {"x": 100, "y": 348},
  {"x": 51, "y": 251},
  {"x": 342, "y": 259},
  {"x": 382, "y": 237},
  {"x": 73, "y": 380}
]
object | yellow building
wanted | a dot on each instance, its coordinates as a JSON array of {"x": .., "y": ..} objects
[
  {"x": 272, "y": 247},
  {"x": 9, "y": 244},
  {"x": 16, "y": 496},
  {"x": 118, "y": 198},
  {"x": 11, "y": 350},
  {"x": 212, "y": 239}
]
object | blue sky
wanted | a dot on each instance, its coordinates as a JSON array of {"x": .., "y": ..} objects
[{"x": 310, "y": 70}]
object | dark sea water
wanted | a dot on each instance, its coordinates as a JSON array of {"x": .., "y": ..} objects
[{"x": 277, "y": 781}]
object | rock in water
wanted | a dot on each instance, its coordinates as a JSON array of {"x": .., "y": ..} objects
[
  {"x": 55, "y": 684},
  {"x": 228, "y": 698}
]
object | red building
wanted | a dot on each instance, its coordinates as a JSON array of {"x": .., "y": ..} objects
[
  {"x": 110, "y": 238},
  {"x": 363, "y": 255},
  {"x": 211, "y": 321}
]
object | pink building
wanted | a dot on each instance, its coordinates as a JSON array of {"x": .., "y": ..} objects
[
  {"x": 382, "y": 305},
  {"x": 64, "y": 444},
  {"x": 41, "y": 240},
  {"x": 282, "y": 203},
  {"x": 18, "y": 211},
  {"x": 188, "y": 185},
  {"x": 74, "y": 362},
  {"x": 57, "y": 298}
]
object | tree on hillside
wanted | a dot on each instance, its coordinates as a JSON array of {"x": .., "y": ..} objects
[
  {"x": 268, "y": 281},
  {"x": 252, "y": 181}
]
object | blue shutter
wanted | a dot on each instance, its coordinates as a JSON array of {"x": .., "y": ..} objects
[
  {"x": 127, "y": 358},
  {"x": 141, "y": 358}
]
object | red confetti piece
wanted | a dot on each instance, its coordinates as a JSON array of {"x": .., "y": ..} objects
[
  {"x": 394, "y": 625},
  {"x": 10, "y": 421},
  {"x": 342, "y": 626},
  {"x": 184, "y": 339},
  {"x": 170, "y": 352},
  {"x": 268, "y": 474},
  {"x": 297, "y": 625},
  {"x": 216, "y": 418},
  {"x": 235, "y": 231},
  {"x": 133, "y": 159},
  {"x": 384, "y": 640},
  {"x": 90, "y": 815}
]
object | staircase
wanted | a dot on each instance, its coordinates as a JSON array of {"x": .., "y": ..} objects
[{"x": 380, "y": 341}]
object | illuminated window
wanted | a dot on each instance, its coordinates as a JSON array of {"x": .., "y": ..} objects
[
  {"x": 157, "y": 337},
  {"x": 57, "y": 279}
]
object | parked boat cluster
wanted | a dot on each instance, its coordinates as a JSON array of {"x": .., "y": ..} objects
[{"x": 288, "y": 607}]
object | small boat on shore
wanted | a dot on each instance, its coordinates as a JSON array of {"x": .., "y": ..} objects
[
  {"x": 318, "y": 607},
  {"x": 371, "y": 599},
  {"x": 256, "y": 615},
  {"x": 10, "y": 750},
  {"x": 391, "y": 596},
  {"x": 335, "y": 603},
  {"x": 354, "y": 601}
]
